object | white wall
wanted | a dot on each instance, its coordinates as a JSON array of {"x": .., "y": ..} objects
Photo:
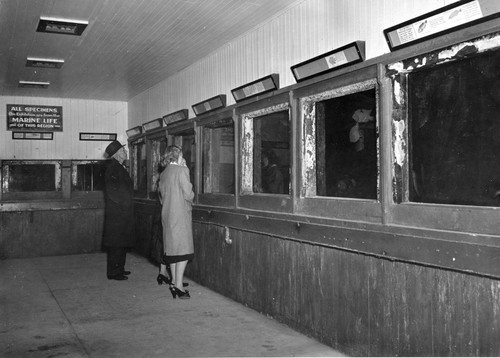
[
  {"x": 304, "y": 30},
  {"x": 78, "y": 116}
]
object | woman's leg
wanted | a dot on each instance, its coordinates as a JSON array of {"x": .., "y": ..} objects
[
  {"x": 173, "y": 272},
  {"x": 163, "y": 270},
  {"x": 164, "y": 267},
  {"x": 163, "y": 276},
  {"x": 179, "y": 274}
]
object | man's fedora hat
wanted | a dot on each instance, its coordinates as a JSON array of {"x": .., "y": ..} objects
[{"x": 112, "y": 148}]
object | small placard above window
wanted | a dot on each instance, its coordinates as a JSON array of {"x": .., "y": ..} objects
[
  {"x": 98, "y": 136},
  {"x": 330, "y": 61},
  {"x": 175, "y": 116},
  {"x": 441, "y": 21},
  {"x": 209, "y": 105},
  {"x": 132, "y": 132},
  {"x": 258, "y": 87},
  {"x": 152, "y": 125}
]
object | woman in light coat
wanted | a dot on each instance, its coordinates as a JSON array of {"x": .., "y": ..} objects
[{"x": 176, "y": 197}]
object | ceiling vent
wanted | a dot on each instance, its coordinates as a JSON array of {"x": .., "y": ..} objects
[
  {"x": 33, "y": 84},
  {"x": 44, "y": 62},
  {"x": 61, "y": 26}
]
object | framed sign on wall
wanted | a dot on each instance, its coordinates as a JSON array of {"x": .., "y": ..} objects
[
  {"x": 333, "y": 60},
  {"x": 98, "y": 136},
  {"x": 33, "y": 135},
  {"x": 21, "y": 117},
  {"x": 441, "y": 21}
]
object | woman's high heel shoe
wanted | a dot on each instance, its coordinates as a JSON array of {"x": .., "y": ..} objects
[
  {"x": 162, "y": 279},
  {"x": 172, "y": 291},
  {"x": 182, "y": 294}
]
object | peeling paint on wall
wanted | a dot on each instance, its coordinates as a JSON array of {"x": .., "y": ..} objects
[
  {"x": 480, "y": 45},
  {"x": 247, "y": 153},
  {"x": 397, "y": 92},
  {"x": 309, "y": 147},
  {"x": 247, "y": 138},
  {"x": 396, "y": 67},
  {"x": 397, "y": 70},
  {"x": 452, "y": 53},
  {"x": 399, "y": 142},
  {"x": 308, "y": 107}
]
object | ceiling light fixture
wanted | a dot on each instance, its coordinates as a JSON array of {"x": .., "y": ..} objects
[
  {"x": 61, "y": 26},
  {"x": 44, "y": 62},
  {"x": 33, "y": 84}
]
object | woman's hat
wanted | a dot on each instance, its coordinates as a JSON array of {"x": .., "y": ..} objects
[{"x": 112, "y": 148}]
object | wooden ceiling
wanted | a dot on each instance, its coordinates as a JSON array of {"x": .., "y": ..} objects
[{"x": 127, "y": 47}]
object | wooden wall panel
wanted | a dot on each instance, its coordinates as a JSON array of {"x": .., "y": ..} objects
[
  {"x": 78, "y": 116},
  {"x": 417, "y": 303},
  {"x": 329, "y": 329},
  {"x": 359, "y": 304},
  {"x": 32, "y": 234},
  {"x": 400, "y": 305},
  {"x": 304, "y": 30},
  {"x": 487, "y": 305},
  {"x": 144, "y": 234},
  {"x": 354, "y": 314}
]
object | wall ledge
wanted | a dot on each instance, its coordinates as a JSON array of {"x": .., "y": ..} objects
[
  {"x": 47, "y": 205},
  {"x": 457, "y": 251}
]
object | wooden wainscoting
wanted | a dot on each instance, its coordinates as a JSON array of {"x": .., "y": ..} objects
[
  {"x": 359, "y": 304},
  {"x": 55, "y": 228}
]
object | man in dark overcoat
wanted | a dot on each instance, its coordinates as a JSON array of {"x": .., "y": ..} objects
[{"x": 119, "y": 230}]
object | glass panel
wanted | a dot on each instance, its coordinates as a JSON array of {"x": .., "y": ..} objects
[
  {"x": 346, "y": 146},
  {"x": 189, "y": 153},
  {"x": 89, "y": 176},
  {"x": 139, "y": 168},
  {"x": 218, "y": 159},
  {"x": 158, "y": 147},
  {"x": 454, "y": 132},
  {"x": 271, "y": 153},
  {"x": 188, "y": 144},
  {"x": 30, "y": 177},
  {"x": 142, "y": 170}
]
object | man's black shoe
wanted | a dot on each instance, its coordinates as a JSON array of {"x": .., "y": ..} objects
[
  {"x": 126, "y": 273},
  {"x": 118, "y": 277}
]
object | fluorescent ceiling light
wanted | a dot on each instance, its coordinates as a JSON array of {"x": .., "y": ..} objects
[
  {"x": 44, "y": 62},
  {"x": 33, "y": 84},
  {"x": 61, "y": 26}
]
